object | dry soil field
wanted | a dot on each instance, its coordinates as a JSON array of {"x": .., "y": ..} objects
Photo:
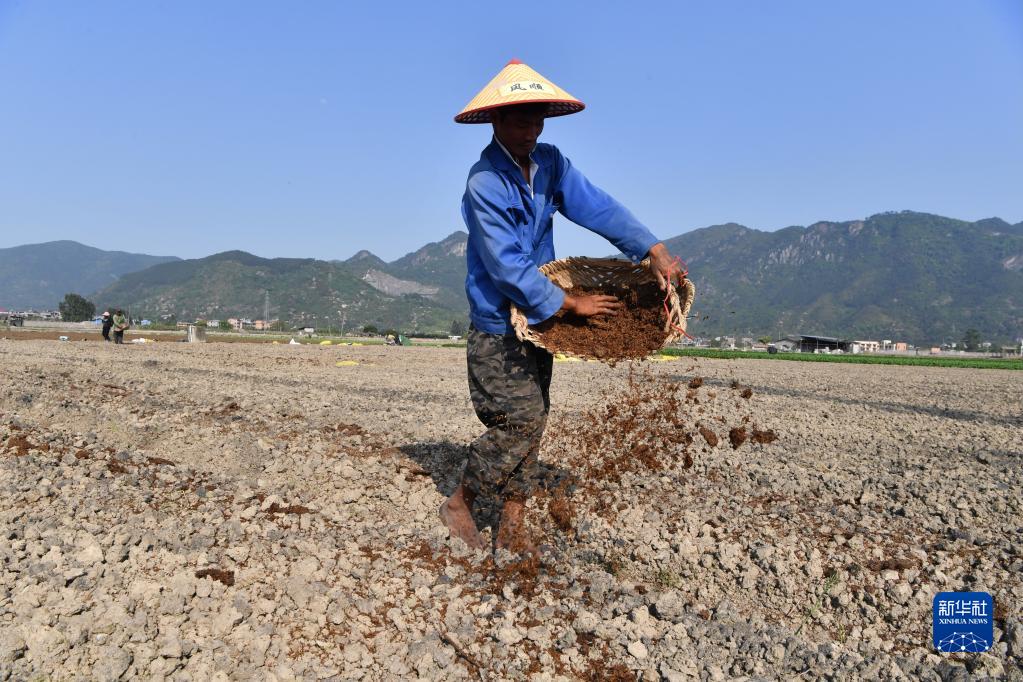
[{"x": 228, "y": 511}]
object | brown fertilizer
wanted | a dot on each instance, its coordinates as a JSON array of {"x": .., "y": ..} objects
[
  {"x": 275, "y": 508},
  {"x": 561, "y": 511},
  {"x": 651, "y": 425},
  {"x": 633, "y": 332},
  {"x": 116, "y": 467},
  {"x": 20, "y": 445},
  {"x": 764, "y": 437},
  {"x": 218, "y": 574},
  {"x": 709, "y": 436}
]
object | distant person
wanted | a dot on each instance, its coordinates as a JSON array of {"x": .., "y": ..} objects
[
  {"x": 510, "y": 199},
  {"x": 120, "y": 323},
  {"x": 107, "y": 324}
]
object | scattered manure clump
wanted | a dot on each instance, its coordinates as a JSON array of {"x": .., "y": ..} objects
[
  {"x": 218, "y": 574},
  {"x": 764, "y": 437},
  {"x": 650, "y": 425},
  {"x": 709, "y": 436}
]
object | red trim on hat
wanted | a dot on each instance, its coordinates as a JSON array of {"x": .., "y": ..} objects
[
  {"x": 513, "y": 61},
  {"x": 461, "y": 118}
]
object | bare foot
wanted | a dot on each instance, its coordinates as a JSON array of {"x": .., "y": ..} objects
[
  {"x": 454, "y": 513},
  {"x": 512, "y": 535}
]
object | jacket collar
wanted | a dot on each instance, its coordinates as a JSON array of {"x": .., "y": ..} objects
[
  {"x": 499, "y": 159},
  {"x": 502, "y": 160}
]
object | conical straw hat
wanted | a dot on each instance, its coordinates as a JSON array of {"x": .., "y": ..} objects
[{"x": 518, "y": 84}]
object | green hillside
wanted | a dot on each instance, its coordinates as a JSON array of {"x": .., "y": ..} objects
[
  {"x": 38, "y": 275},
  {"x": 909, "y": 276},
  {"x": 302, "y": 292}
]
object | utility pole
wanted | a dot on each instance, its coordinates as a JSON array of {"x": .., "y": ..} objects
[{"x": 266, "y": 309}]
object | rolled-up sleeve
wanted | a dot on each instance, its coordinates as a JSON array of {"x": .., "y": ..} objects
[
  {"x": 587, "y": 205},
  {"x": 490, "y": 210}
]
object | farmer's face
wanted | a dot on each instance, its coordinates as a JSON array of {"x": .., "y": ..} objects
[{"x": 518, "y": 129}]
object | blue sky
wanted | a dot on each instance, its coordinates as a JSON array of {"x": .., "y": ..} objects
[{"x": 316, "y": 129}]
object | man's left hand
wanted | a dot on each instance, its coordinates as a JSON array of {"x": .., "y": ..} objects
[{"x": 666, "y": 268}]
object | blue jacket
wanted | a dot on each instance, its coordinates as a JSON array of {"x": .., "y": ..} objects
[{"x": 510, "y": 232}]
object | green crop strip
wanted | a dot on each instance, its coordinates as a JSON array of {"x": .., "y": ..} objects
[{"x": 917, "y": 361}]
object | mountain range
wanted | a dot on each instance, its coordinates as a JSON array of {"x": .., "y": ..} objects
[
  {"x": 421, "y": 291},
  {"x": 906, "y": 276},
  {"x": 38, "y": 275}
]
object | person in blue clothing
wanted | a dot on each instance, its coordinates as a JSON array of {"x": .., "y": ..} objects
[{"x": 510, "y": 198}]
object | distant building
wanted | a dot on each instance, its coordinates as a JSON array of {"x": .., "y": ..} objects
[
  {"x": 812, "y": 343},
  {"x": 789, "y": 344},
  {"x": 213, "y": 324},
  {"x": 864, "y": 346}
]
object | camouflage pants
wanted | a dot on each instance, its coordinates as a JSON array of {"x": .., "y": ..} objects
[{"x": 509, "y": 383}]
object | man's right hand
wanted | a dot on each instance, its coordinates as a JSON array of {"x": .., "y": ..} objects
[{"x": 589, "y": 306}]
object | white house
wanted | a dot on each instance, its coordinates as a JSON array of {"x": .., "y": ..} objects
[{"x": 865, "y": 347}]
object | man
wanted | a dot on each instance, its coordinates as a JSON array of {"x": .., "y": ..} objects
[
  {"x": 511, "y": 195},
  {"x": 120, "y": 324},
  {"x": 107, "y": 324}
]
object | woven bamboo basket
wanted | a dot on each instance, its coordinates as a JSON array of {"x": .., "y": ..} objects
[{"x": 605, "y": 273}]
